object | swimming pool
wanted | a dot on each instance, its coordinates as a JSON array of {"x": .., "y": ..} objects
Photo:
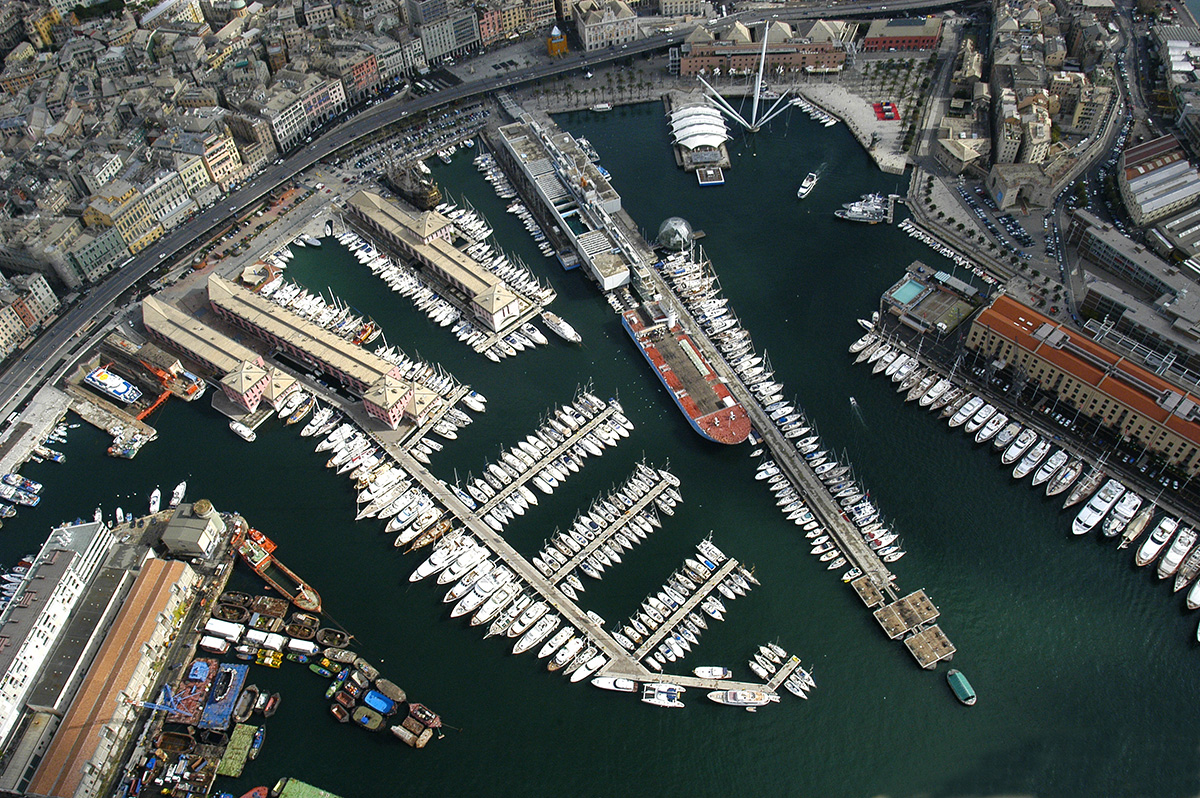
[{"x": 908, "y": 292}]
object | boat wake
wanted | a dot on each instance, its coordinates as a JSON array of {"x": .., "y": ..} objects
[{"x": 857, "y": 413}]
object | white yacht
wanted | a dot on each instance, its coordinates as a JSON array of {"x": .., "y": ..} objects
[
  {"x": 749, "y": 699},
  {"x": 1031, "y": 459},
  {"x": 1183, "y": 543},
  {"x": 1097, "y": 507},
  {"x": 1050, "y": 467},
  {"x": 1017, "y": 448},
  {"x": 1154, "y": 544},
  {"x": 968, "y": 409}
]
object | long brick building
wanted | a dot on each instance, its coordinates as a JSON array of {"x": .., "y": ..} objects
[{"x": 1135, "y": 404}]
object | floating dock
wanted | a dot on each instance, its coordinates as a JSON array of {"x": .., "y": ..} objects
[{"x": 218, "y": 712}]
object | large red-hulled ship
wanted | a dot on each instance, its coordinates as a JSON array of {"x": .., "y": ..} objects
[
  {"x": 697, "y": 390},
  {"x": 258, "y": 551}
]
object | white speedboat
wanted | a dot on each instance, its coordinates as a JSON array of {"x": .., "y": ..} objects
[
  {"x": 1153, "y": 545},
  {"x": 155, "y": 501},
  {"x": 617, "y": 684},
  {"x": 1097, "y": 507}
]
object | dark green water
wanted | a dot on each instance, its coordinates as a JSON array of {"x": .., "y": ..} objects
[{"x": 1082, "y": 663}]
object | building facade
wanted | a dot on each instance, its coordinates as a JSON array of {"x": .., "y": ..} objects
[{"x": 1134, "y": 403}]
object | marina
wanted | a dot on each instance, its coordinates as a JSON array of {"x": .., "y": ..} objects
[{"x": 857, "y": 667}]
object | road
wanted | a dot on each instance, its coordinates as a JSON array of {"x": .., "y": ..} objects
[{"x": 18, "y": 380}]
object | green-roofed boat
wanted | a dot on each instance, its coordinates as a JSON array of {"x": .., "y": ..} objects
[{"x": 963, "y": 690}]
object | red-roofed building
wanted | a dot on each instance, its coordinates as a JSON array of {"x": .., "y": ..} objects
[{"x": 1124, "y": 397}]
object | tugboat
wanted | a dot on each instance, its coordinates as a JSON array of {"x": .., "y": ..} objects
[
  {"x": 257, "y": 550},
  {"x": 963, "y": 690}
]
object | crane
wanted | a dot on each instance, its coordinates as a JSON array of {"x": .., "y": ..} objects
[{"x": 167, "y": 701}]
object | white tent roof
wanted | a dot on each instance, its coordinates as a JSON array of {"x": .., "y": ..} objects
[{"x": 698, "y": 126}]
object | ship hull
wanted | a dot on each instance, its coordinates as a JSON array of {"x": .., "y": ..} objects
[{"x": 736, "y": 430}]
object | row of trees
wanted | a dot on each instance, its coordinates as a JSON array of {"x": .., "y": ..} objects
[{"x": 616, "y": 86}]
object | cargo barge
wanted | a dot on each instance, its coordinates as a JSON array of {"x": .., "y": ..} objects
[
  {"x": 699, "y": 393},
  {"x": 258, "y": 551}
]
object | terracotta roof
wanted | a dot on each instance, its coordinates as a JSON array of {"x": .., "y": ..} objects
[
  {"x": 1089, "y": 362},
  {"x": 99, "y": 697}
]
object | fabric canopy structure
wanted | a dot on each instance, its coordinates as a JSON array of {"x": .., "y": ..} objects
[{"x": 698, "y": 126}]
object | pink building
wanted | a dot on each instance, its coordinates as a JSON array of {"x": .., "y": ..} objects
[{"x": 246, "y": 384}]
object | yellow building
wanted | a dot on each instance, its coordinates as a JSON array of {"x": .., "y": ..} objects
[
  {"x": 556, "y": 43},
  {"x": 38, "y": 26},
  {"x": 119, "y": 204}
]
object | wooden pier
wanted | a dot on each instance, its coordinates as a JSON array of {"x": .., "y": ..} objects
[
  {"x": 670, "y": 622},
  {"x": 607, "y": 533},
  {"x": 790, "y": 462},
  {"x": 785, "y": 670},
  {"x": 424, "y": 428},
  {"x": 924, "y": 640},
  {"x": 554, "y": 454},
  {"x": 620, "y": 663}
]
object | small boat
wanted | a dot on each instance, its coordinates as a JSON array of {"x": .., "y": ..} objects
[
  {"x": 963, "y": 690},
  {"x": 806, "y": 187},
  {"x": 661, "y": 694},
  {"x": 617, "y": 684},
  {"x": 242, "y": 431},
  {"x": 260, "y": 736},
  {"x": 177, "y": 494},
  {"x": 712, "y": 672}
]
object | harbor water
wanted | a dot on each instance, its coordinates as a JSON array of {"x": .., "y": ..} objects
[{"x": 1081, "y": 662}]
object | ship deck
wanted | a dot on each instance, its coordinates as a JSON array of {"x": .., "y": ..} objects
[{"x": 697, "y": 389}]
